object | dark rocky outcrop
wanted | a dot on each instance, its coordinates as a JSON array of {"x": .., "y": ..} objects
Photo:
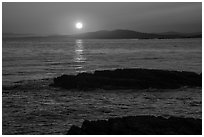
[
  {"x": 129, "y": 79},
  {"x": 140, "y": 125}
]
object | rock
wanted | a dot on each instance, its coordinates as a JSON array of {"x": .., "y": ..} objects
[
  {"x": 75, "y": 130},
  {"x": 129, "y": 79},
  {"x": 140, "y": 125},
  {"x": 65, "y": 81}
]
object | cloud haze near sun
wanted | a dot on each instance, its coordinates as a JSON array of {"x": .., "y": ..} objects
[{"x": 60, "y": 18}]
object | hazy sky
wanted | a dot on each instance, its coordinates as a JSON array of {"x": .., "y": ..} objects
[{"x": 60, "y": 18}]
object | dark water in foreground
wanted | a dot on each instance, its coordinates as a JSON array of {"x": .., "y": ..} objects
[{"x": 35, "y": 108}]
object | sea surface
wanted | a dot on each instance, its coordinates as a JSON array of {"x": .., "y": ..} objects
[
  {"x": 31, "y": 106},
  {"x": 28, "y": 59}
]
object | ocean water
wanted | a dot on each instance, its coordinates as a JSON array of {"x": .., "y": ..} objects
[
  {"x": 28, "y": 59},
  {"x": 30, "y": 106}
]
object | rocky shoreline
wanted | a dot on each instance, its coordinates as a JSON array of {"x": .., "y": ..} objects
[
  {"x": 139, "y": 125},
  {"x": 129, "y": 79}
]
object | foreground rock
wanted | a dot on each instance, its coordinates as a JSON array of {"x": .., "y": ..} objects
[
  {"x": 140, "y": 125},
  {"x": 129, "y": 79}
]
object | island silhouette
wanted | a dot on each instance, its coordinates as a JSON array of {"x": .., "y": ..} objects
[
  {"x": 108, "y": 34},
  {"x": 130, "y": 34}
]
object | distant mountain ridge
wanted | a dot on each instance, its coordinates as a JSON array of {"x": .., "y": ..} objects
[
  {"x": 4, "y": 35},
  {"x": 179, "y": 33},
  {"x": 110, "y": 34},
  {"x": 130, "y": 34}
]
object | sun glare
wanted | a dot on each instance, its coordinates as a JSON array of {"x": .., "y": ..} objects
[{"x": 79, "y": 25}]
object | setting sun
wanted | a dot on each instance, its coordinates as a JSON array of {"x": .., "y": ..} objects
[{"x": 79, "y": 25}]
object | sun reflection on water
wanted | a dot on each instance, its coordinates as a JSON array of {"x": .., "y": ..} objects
[{"x": 79, "y": 54}]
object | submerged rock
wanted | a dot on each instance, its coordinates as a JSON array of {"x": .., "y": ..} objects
[
  {"x": 129, "y": 79},
  {"x": 140, "y": 125}
]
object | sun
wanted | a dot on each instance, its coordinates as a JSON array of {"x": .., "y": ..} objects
[{"x": 79, "y": 25}]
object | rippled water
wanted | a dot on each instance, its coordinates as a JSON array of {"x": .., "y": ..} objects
[
  {"x": 36, "y": 108},
  {"x": 30, "y": 106},
  {"x": 45, "y": 58}
]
